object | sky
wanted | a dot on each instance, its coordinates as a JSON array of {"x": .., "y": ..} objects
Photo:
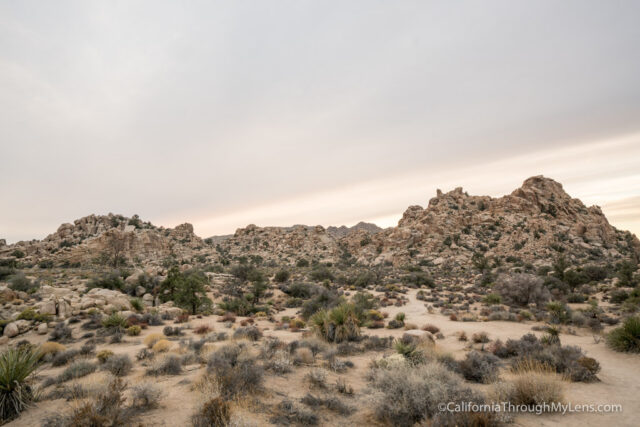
[{"x": 226, "y": 113}]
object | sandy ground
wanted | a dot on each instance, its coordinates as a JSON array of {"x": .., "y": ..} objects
[{"x": 620, "y": 376}]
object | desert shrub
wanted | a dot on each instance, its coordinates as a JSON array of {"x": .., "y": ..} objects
[
  {"x": 20, "y": 283},
  {"x": 522, "y": 289},
  {"x": 76, "y": 370},
  {"x": 61, "y": 333},
  {"x": 559, "y": 313},
  {"x": 151, "y": 339},
  {"x": 152, "y": 319},
  {"x": 168, "y": 365},
  {"x": 215, "y": 412},
  {"x": 145, "y": 396},
  {"x": 303, "y": 356},
  {"x": 50, "y": 348},
  {"x": 161, "y": 346},
  {"x": 119, "y": 365},
  {"x": 115, "y": 320},
  {"x": 134, "y": 330},
  {"x": 317, "y": 378},
  {"x": 282, "y": 276},
  {"x": 16, "y": 367},
  {"x": 287, "y": 414},
  {"x": 235, "y": 371},
  {"x": 626, "y": 337},
  {"x": 137, "y": 304},
  {"x": 418, "y": 279},
  {"x": 331, "y": 403},
  {"x": 409, "y": 394},
  {"x": 144, "y": 354},
  {"x": 337, "y": 325},
  {"x": 202, "y": 330},
  {"x": 492, "y": 299},
  {"x": 251, "y": 333},
  {"x": 112, "y": 280},
  {"x": 172, "y": 331},
  {"x": 479, "y": 367},
  {"x": 480, "y": 337},
  {"x": 324, "y": 299},
  {"x": 64, "y": 357},
  {"x": 535, "y": 384},
  {"x": 104, "y": 355}
]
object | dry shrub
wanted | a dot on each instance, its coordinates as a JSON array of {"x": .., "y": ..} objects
[
  {"x": 151, "y": 339},
  {"x": 234, "y": 371},
  {"x": 51, "y": 348},
  {"x": 202, "y": 329},
  {"x": 431, "y": 328},
  {"x": 480, "y": 338},
  {"x": 161, "y": 346},
  {"x": 215, "y": 412},
  {"x": 145, "y": 396},
  {"x": 535, "y": 383},
  {"x": 303, "y": 356}
]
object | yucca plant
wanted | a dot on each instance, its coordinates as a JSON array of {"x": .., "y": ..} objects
[
  {"x": 626, "y": 337},
  {"x": 16, "y": 365},
  {"x": 337, "y": 325}
]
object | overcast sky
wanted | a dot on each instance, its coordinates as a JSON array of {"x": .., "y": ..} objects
[{"x": 320, "y": 112}]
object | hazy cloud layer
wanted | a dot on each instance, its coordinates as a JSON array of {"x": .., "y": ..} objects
[{"x": 224, "y": 113}]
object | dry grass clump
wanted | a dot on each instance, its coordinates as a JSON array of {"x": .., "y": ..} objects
[
  {"x": 161, "y": 346},
  {"x": 535, "y": 383},
  {"x": 303, "y": 356},
  {"x": 145, "y": 396},
  {"x": 51, "y": 348},
  {"x": 317, "y": 378},
  {"x": 151, "y": 339}
]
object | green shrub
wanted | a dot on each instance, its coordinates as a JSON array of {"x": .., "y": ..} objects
[
  {"x": 492, "y": 299},
  {"x": 282, "y": 276},
  {"x": 112, "y": 280},
  {"x": 337, "y": 325},
  {"x": 137, "y": 305},
  {"x": 20, "y": 283},
  {"x": 16, "y": 366},
  {"x": 626, "y": 337},
  {"x": 115, "y": 320}
]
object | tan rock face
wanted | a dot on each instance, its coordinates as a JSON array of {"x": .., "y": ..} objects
[{"x": 533, "y": 223}]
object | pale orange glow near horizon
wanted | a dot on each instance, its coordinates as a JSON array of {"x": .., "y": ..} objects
[{"x": 604, "y": 173}]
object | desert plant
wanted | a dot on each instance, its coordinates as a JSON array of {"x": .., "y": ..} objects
[
  {"x": 626, "y": 337},
  {"x": 161, "y": 346},
  {"x": 151, "y": 339},
  {"x": 137, "y": 304},
  {"x": 119, "y": 365},
  {"x": 536, "y": 383},
  {"x": 77, "y": 369},
  {"x": 134, "y": 330},
  {"x": 522, "y": 289},
  {"x": 215, "y": 412},
  {"x": 16, "y": 366},
  {"x": 168, "y": 365},
  {"x": 104, "y": 355},
  {"x": 115, "y": 320},
  {"x": 145, "y": 396},
  {"x": 337, "y": 325},
  {"x": 235, "y": 371},
  {"x": 479, "y": 367}
]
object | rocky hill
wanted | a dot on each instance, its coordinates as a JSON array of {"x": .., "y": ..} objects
[{"x": 532, "y": 225}]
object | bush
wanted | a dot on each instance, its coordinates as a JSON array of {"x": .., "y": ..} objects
[
  {"x": 137, "y": 304},
  {"x": 535, "y": 384},
  {"x": 168, "y": 365},
  {"x": 234, "y": 371},
  {"x": 51, "y": 348},
  {"x": 77, "y": 369},
  {"x": 151, "y": 339},
  {"x": 626, "y": 337},
  {"x": 16, "y": 366},
  {"x": 337, "y": 325},
  {"x": 145, "y": 396},
  {"x": 112, "y": 280},
  {"x": 479, "y": 367},
  {"x": 64, "y": 357},
  {"x": 282, "y": 276},
  {"x": 104, "y": 355},
  {"x": 134, "y": 330},
  {"x": 61, "y": 333},
  {"x": 522, "y": 289},
  {"x": 251, "y": 333},
  {"x": 492, "y": 299},
  {"x": 20, "y": 283},
  {"x": 324, "y": 299},
  {"x": 331, "y": 403},
  {"x": 287, "y": 414},
  {"x": 161, "y": 346},
  {"x": 411, "y": 394},
  {"x": 215, "y": 412},
  {"x": 115, "y": 320},
  {"x": 119, "y": 365}
]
